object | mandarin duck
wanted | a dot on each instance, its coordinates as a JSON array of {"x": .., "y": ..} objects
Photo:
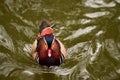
[{"x": 47, "y": 49}]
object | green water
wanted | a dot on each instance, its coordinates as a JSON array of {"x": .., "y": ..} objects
[{"x": 89, "y": 29}]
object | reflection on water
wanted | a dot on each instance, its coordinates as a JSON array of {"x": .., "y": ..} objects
[
  {"x": 99, "y": 3},
  {"x": 81, "y": 32},
  {"x": 89, "y": 29},
  {"x": 96, "y": 14}
]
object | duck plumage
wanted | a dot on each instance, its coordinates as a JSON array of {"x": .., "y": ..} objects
[{"x": 47, "y": 49}]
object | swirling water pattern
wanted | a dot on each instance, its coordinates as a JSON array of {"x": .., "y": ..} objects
[{"x": 89, "y": 29}]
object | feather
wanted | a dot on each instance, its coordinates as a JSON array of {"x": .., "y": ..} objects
[
  {"x": 43, "y": 25},
  {"x": 49, "y": 39}
]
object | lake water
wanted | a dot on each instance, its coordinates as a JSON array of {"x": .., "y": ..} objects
[{"x": 89, "y": 29}]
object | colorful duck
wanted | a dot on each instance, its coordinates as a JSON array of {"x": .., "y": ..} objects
[{"x": 47, "y": 49}]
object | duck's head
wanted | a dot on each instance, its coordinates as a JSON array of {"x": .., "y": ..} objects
[
  {"x": 46, "y": 31},
  {"x": 45, "y": 28}
]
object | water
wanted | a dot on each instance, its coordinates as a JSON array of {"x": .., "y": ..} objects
[{"x": 89, "y": 29}]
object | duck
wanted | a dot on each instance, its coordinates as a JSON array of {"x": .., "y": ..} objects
[{"x": 47, "y": 50}]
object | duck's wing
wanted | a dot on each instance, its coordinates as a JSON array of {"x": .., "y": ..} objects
[
  {"x": 33, "y": 49},
  {"x": 62, "y": 48}
]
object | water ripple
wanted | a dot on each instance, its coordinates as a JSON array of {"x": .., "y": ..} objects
[
  {"x": 111, "y": 47},
  {"x": 5, "y": 40},
  {"x": 90, "y": 34},
  {"x": 97, "y": 14},
  {"x": 99, "y": 3},
  {"x": 65, "y": 71},
  {"x": 96, "y": 53},
  {"x": 80, "y": 32},
  {"x": 27, "y": 49},
  {"x": 80, "y": 21},
  {"x": 27, "y": 31}
]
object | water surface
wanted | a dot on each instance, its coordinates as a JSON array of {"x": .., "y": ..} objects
[{"x": 89, "y": 29}]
